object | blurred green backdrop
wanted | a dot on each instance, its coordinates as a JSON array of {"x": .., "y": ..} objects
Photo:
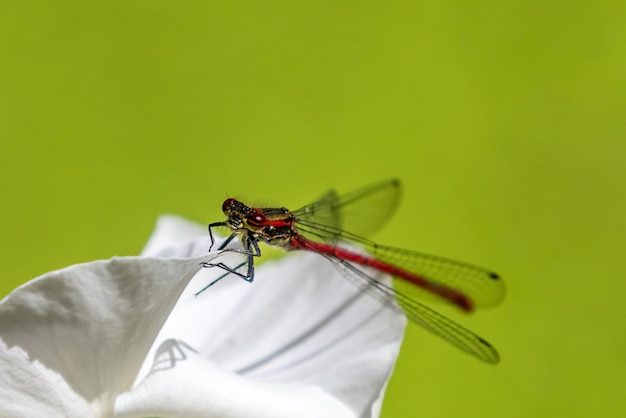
[{"x": 505, "y": 121}]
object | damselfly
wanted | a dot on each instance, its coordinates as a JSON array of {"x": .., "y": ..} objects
[{"x": 322, "y": 227}]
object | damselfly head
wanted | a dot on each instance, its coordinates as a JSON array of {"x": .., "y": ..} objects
[
  {"x": 234, "y": 210},
  {"x": 241, "y": 216},
  {"x": 229, "y": 205}
]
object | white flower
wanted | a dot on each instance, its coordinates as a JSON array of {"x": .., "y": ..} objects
[{"x": 127, "y": 337}]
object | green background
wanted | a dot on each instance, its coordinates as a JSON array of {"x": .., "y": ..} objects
[{"x": 504, "y": 120}]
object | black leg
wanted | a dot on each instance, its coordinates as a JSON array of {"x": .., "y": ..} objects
[
  {"x": 251, "y": 249},
  {"x": 228, "y": 271},
  {"x": 226, "y": 242},
  {"x": 215, "y": 225}
]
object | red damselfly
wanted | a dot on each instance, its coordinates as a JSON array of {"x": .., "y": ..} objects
[{"x": 322, "y": 227}]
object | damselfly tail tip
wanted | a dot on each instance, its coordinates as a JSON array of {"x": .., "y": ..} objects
[{"x": 465, "y": 303}]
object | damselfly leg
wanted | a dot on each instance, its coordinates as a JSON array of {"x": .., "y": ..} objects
[{"x": 250, "y": 250}]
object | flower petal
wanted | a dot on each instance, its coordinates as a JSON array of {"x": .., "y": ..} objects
[
  {"x": 300, "y": 322},
  {"x": 184, "y": 384},
  {"x": 28, "y": 388},
  {"x": 85, "y": 330}
]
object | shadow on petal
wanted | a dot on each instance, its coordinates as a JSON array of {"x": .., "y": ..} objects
[
  {"x": 193, "y": 387},
  {"x": 169, "y": 353}
]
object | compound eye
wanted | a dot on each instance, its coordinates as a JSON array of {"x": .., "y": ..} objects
[{"x": 227, "y": 206}]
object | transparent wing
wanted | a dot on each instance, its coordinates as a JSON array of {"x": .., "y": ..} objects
[
  {"x": 324, "y": 211},
  {"x": 429, "y": 319},
  {"x": 483, "y": 286},
  {"x": 361, "y": 212}
]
